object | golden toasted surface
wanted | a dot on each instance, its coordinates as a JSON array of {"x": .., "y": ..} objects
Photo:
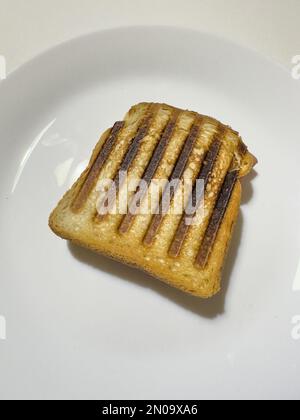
[{"x": 159, "y": 142}]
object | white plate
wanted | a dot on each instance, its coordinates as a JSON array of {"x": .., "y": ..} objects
[{"x": 80, "y": 326}]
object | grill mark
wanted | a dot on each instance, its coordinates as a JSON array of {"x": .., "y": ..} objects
[
  {"x": 96, "y": 167},
  {"x": 216, "y": 218},
  {"x": 194, "y": 200},
  {"x": 149, "y": 173},
  {"x": 128, "y": 159},
  {"x": 176, "y": 175}
]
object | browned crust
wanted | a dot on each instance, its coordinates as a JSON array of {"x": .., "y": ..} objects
[
  {"x": 176, "y": 175},
  {"x": 194, "y": 201},
  {"x": 122, "y": 249},
  {"x": 242, "y": 148},
  {"x": 224, "y": 236},
  {"x": 216, "y": 218},
  {"x": 96, "y": 167},
  {"x": 149, "y": 173},
  {"x": 128, "y": 159}
]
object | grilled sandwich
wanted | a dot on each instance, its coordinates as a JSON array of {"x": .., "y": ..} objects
[{"x": 174, "y": 233}]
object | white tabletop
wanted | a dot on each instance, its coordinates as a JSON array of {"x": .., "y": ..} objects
[{"x": 29, "y": 27}]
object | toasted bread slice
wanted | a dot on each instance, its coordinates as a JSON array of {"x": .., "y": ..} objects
[{"x": 158, "y": 141}]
